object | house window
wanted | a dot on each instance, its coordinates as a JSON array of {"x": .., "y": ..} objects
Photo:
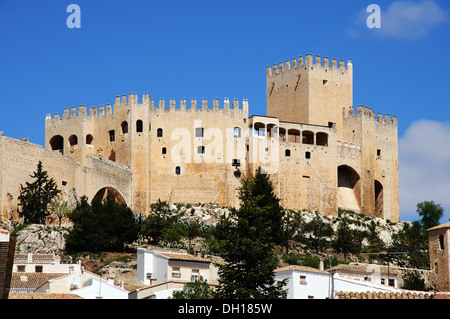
[
  {"x": 199, "y": 132},
  {"x": 178, "y": 170},
  {"x": 391, "y": 282},
  {"x": 159, "y": 132},
  {"x": 194, "y": 276},
  {"x": 139, "y": 126},
  {"x": 21, "y": 268},
  {"x": 112, "y": 136},
  {"x": 176, "y": 272},
  {"x": 38, "y": 268},
  {"x": 302, "y": 280}
]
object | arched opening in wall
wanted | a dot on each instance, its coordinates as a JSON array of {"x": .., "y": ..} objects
[
  {"x": 237, "y": 132},
  {"x": 282, "y": 132},
  {"x": 348, "y": 194},
  {"x": 57, "y": 143},
  {"x": 287, "y": 153},
  {"x": 73, "y": 140},
  {"x": 159, "y": 132},
  {"x": 89, "y": 139},
  {"x": 378, "y": 187},
  {"x": 109, "y": 192},
  {"x": 259, "y": 129},
  {"x": 139, "y": 126},
  {"x": 307, "y": 137},
  {"x": 272, "y": 130},
  {"x": 124, "y": 126},
  {"x": 321, "y": 139},
  {"x": 112, "y": 156},
  {"x": 293, "y": 136}
]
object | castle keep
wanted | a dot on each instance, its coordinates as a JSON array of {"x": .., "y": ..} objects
[{"x": 320, "y": 152}]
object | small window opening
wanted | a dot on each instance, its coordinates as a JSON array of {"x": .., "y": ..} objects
[
  {"x": 199, "y": 132},
  {"x": 164, "y": 150},
  {"x": 89, "y": 139},
  {"x": 441, "y": 242},
  {"x": 324, "y": 82},
  {"x": 112, "y": 136},
  {"x": 178, "y": 170},
  {"x": 287, "y": 153},
  {"x": 378, "y": 153},
  {"x": 64, "y": 183},
  {"x": 307, "y": 155},
  {"x": 124, "y": 126},
  {"x": 236, "y": 162},
  {"x": 201, "y": 150},
  {"x": 237, "y": 132},
  {"x": 139, "y": 126},
  {"x": 73, "y": 140},
  {"x": 159, "y": 132}
]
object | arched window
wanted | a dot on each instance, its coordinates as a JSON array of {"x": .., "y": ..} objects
[
  {"x": 307, "y": 155},
  {"x": 307, "y": 137},
  {"x": 159, "y": 132},
  {"x": 73, "y": 140},
  {"x": 57, "y": 143},
  {"x": 237, "y": 132},
  {"x": 89, "y": 139},
  {"x": 139, "y": 126},
  {"x": 321, "y": 139},
  {"x": 124, "y": 126},
  {"x": 178, "y": 170},
  {"x": 287, "y": 153}
]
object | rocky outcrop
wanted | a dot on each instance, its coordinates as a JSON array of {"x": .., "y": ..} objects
[{"x": 41, "y": 239}]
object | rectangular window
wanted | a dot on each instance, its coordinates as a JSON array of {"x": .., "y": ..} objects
[
  {"x": 194, "y": 276},
  {"x": 236, "y": 162},
  {"x": 199, "y": 132},
  {"x": 21, "y": 268},
  {"x": 302, "y": 280},
  {"x": 176, "y": 272},
  {"x": 112, "y": 136},
  {"x": 38, "y": 268}
]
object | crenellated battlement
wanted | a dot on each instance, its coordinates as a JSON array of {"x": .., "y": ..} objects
[
  {"x": 93, "y": 112},
  {"x": 365, "y": 111},
  {"x": 309, "y": 63}
]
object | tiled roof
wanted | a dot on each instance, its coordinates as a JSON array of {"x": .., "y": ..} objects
[
  {"x": 28, "y": 281},
  {"x": 381, "y": 295},
  {"x": 356, "y": 268},
  {"x": 442, "y": 226},
  {"x": 301, "y": 268},
  {"x": 181, "y": 256},
  {"x": 37, "y": 295}
]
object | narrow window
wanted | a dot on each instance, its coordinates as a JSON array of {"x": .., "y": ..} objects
[
  {"x": 441, "y": 242},
  {"x": 139, "y": 126},
  {"x": 164, "y": 150},
  {"x": 237, "y": 132},
  {"x": 201, "y": 150},
  {"x": 176, "y": 272},
  {"x": 124, "y": 126},
  {"x": 159, "y": 132},
  {"x": 38, "y": 268},
  {"x": 199, "y": 132},
  {"x": 112, "y": 136},
  {"x": 194, "y": 275},
  {"x": 307, "y": 155},
  {"x": 287, "y": 153},
  {"x": 178, "y": 170},
  {"x": 378, "y": 153}
]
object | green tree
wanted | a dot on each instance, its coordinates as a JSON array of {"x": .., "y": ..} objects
[
  {"x": 319, "y": 230},
  {"x": 246, "y": 239},
  {"x": 292, "y": 228},
  {"x": 102, "y": 226},
  {"x": 431, "y": 213},
  {"x": 346, "y": 241},
  {"x": 195, "y": 290},
  {"x": 412, "y": 280},
  {"x": 36, "y": 196},
  {"x": 60, "y": 208}
]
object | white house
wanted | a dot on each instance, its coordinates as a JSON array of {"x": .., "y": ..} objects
[
  {"x": 43, "y": 263},
  {"x": 155, "y": 266},
  {"x": 86, "y": 285}
]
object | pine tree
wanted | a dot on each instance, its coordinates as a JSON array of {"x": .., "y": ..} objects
[
  {"x": 35, "y": 197},
  {"x": 247, "y": 238}
]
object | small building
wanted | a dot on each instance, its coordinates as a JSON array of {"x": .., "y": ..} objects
[
  {"x": 373, "y": 273},
  {"x": 7, "y": 248},
  {"x": 154, "y": 267},
  {"x": 43, "y": 263},
  {"x": 439, "y": 247}
]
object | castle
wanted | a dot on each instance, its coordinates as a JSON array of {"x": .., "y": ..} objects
[{"x": 320, "y": 153}]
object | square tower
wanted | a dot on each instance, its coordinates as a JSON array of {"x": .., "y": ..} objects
[
  {"x": 439, "y": 246},
  {"x": 312, "y": 93}
]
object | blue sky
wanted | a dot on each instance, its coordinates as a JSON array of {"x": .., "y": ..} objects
[{"x": 206, "y": 49}]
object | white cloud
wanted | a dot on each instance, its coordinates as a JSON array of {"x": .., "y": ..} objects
[
  {"x": 424, "y": 167},
  {"x": 404, "y": 19}
]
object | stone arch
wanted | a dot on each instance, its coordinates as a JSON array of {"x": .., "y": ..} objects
[
  {"x": 378, "y": 188},
  {"x": 57, "y": 143},
  {"x": 348, "y": 194},
  {"x": 307, "y": 137},
  {"x": 109, "y": 192},
  {"x": 321, "y": 139},
  {"x": 73, "y": 140},
  {"x": 89, "y": 139}
]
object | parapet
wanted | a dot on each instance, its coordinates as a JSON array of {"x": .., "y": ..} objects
[
  {"x": 83, "y": 112},
  {"x": 367, "y": 112},
  {"x": 309, "y": 64}
]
